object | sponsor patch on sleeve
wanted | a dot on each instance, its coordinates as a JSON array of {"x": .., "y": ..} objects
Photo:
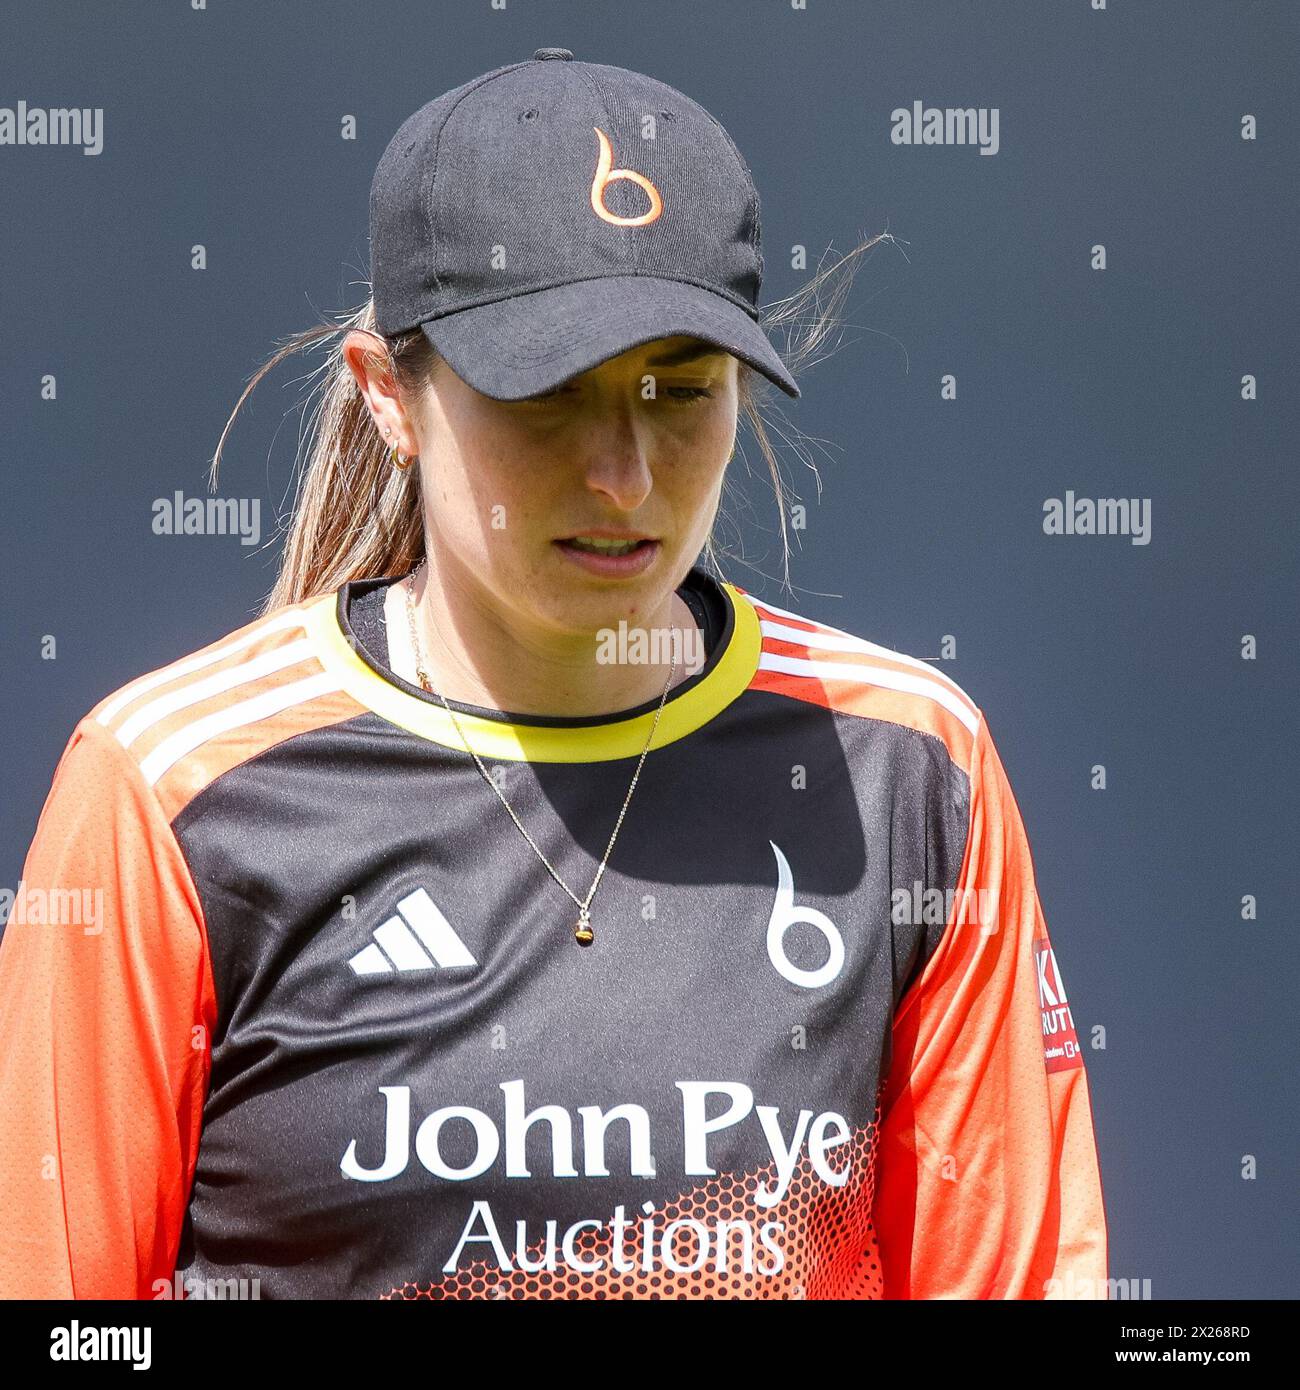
[{"x": 1060, "y": 1043}]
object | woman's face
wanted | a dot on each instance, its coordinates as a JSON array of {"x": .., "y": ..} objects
[{"x": 638, "y": 445}]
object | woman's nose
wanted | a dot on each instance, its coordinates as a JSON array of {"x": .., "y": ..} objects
[
  {"x": 624, "y": 477},
  {"x": 618, "y": 464}
]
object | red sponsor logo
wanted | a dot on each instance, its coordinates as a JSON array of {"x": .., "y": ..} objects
[{"x": 1060, "y": 1042}]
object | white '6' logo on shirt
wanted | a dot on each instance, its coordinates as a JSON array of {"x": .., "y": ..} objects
[{"x": 784, "y": 915}]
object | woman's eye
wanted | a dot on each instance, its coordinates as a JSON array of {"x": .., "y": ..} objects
[{"x": 689, "y": 394}]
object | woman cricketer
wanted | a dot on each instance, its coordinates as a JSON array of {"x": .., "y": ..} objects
[{"x": 516, "y": 908}]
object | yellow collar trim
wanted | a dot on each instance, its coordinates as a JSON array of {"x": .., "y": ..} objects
[{"x": 505, "y": 740}]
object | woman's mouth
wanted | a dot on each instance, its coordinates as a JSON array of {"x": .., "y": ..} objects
[{"x": 617, "y": 558}]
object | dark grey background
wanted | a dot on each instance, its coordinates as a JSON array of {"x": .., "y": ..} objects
[{"x": 1119, "y": 127}]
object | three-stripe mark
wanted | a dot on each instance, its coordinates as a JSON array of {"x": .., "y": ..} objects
[
  {"x": 417, "y": 937},
  {"x": 930, "y": 681}
]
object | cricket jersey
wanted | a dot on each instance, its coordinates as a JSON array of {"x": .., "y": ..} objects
[{"x": 289, "y": 1007}]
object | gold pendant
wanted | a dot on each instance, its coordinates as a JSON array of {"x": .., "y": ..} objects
[{"x": 583, "y": 933}]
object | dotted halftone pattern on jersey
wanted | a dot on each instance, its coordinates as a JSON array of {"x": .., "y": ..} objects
[{"x": 827, "y": 1237}]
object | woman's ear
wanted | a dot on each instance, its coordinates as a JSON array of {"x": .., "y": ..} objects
[{"x": 367, "y": 357}]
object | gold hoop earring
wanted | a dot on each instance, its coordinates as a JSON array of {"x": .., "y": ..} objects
[{"x": 397, "y": 460}]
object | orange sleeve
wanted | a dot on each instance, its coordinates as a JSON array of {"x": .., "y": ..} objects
[
  {"x": 988, "y": 1184},
  {"x": 106, "y": 1014}
]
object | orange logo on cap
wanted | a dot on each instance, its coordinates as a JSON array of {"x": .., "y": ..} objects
[{"x": 605, "y": 176}]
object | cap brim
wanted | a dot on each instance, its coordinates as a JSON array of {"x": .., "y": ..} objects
[{"x": 531, "y": 343}]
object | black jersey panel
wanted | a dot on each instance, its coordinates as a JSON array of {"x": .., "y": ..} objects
[{"x": 411, "y": 1046}]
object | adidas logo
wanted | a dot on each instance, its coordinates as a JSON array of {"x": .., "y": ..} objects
[{"x": 419, "y": 937}]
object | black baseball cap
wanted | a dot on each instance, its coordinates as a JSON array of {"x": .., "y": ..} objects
[{"x": 551, "y": 214}]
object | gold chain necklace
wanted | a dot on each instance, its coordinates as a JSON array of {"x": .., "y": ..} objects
[{"x": 582, "y": 932}]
